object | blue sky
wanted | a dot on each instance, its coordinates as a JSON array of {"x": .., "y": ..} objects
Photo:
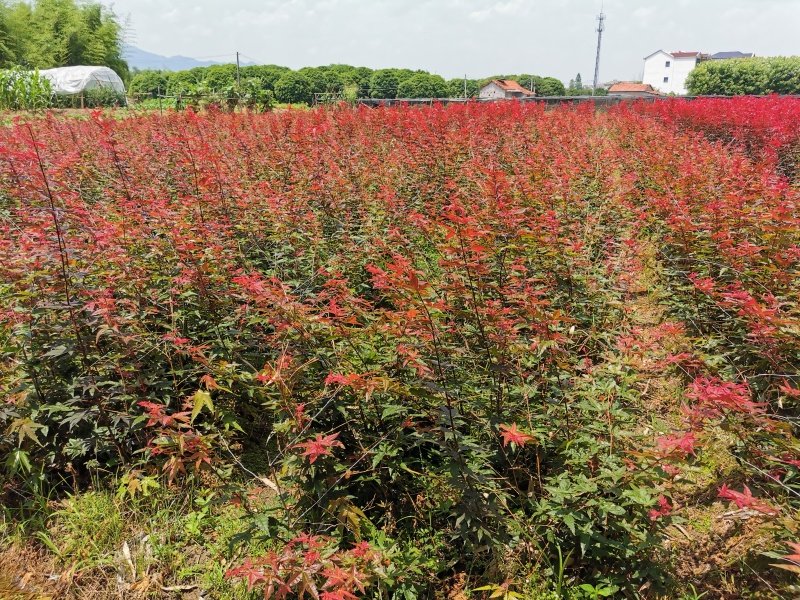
[{"x": 461, "y": 37}]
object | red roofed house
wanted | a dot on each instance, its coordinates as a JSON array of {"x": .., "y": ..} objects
[
  {"x": 667, "y": 71},
  {"x": 633, "y": 90},
  {"x": 503, "y": 89}
]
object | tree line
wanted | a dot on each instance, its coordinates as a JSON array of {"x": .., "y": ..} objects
[
  {"x": 45, "y": 34},
  {"x": 746, "y": 76},
  {"x": 301, "y": 86}
]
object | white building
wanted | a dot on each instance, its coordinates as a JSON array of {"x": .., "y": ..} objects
[
  {"x": 667, "y": 72},
  {"x": 503, "y": 89}
]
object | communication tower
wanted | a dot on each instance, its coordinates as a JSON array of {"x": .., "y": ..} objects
[{"x": 601, "y": 27}]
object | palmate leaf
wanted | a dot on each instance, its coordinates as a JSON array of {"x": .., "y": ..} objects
[
  {"x": 18, "y": 461},
  {"x": 77, "y": 447},
  {"x": 200, "y": 400},
  {"x": 78, "y": 417},
  {"x": 499, "y": 591},
  {"x": 791, "y": 568},
  {"x": 25, "y": 428}
]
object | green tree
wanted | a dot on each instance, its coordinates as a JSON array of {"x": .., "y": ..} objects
[
  {"x": 783, "y": 75},
  {"x": 549, "y": 86},
  {"x": 293, "y": 88},
  {"x": 383, "y": 83},
  {"x": 741, "y": 76},
  {"x": 9, "y": 38},
  {"x": 527, "y": 81},
  {"x": 455, "y": 88},
  {"x": 59, "y": 33},
  {"x": 360, "y": 77},
  {"x": 219, "y": 77},
  {"x": 422, "y": 85},
  {"x": 575, "y": 87},
  {"x": 334, "y": 81},
  {"x": 268, "y": 74},
  {"x": 148, "y": 82},
  {"x": 180, "y": 81},
  {"x": 316, "y": 78}
]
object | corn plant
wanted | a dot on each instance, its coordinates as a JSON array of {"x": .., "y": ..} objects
[{"x": 24, "y": 90}]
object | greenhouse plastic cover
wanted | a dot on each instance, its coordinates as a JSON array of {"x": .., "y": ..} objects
[{"x": 74, "y": 80}]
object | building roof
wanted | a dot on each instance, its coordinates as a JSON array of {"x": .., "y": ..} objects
[
  {"x": 736, "y": 54},
  {"x": 679, "y": 54},
  {"x": 632, "y": 87},
  {"x": 654, "y": 53},
  {"x": 509, "y": 85}
]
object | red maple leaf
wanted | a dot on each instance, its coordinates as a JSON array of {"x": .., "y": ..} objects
[
  {"x": 789, "y": 390},
  {"x": 663, "y": 510},
  {"x": 248, "y": 572},
  {"x": 361, "y": 550},
  {"x": 158, "y": 415},
  {"x": 340, "y": 594},
  {"x": 795, "y": 558},
  {"x": 321, "y": 446},
  {"x": 673, "y": 443},
  {"x": 512, "y": 435},
  {"x": 746, "y": 499}
]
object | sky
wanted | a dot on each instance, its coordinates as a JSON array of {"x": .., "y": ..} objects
[{"x": 454, "y": 38}]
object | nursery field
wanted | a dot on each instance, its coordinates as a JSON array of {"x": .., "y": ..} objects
[{"x": 454, "y": 352}]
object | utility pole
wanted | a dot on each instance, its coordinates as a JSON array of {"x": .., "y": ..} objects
[
  {"x": 238, "y": 78},
  {"x": 465, "y": 87},
  {"x": 601, "y": 27}
]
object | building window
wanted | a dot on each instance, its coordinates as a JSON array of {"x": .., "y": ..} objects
[
  {"x": 667, "y": 65},
  {"x": 666, "y": 79}
]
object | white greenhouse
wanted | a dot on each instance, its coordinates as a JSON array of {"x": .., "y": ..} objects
[{"x": 74, "y": 80}]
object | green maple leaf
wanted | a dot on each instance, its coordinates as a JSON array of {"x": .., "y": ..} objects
[{"x": 25, "y": 428}]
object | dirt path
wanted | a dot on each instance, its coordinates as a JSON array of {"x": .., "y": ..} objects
[{"x": 710, "y": 548}]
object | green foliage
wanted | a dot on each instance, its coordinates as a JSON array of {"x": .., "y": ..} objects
[
  {"x": 104, "y": 97},
  {"x": 219, "y": 77},
  {"x": 746, "y": 76},
  {"x": 255, "y": 94},
  {"x": 24, "y": 90},
  {"x": 293, "y": 88},
  {"x": 383, "y": 83},
  {"x": 9, "y": 39},
  {"x": 332, "y": 82},
  {"x": 181, "y": 81},
  {"x": 422, "y": 85},
  {"x": 268, "y": 74},
  {"x": 784, "y": 75},
  {"x": 358, "y": 76},
  {"x": 155, "y": 104},
  {"x": 148, "y": 83},
  {"x": 59, "y": 33},
  {"x": 595, "y": 507},
  {"x": 455, "y": 88},
  {"x": 549, "y": 86}
]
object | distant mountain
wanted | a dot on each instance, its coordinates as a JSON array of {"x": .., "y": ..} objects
[{"x": 141, "y": 59}]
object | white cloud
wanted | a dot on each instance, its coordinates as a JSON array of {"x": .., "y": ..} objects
[
  {"x": 503, "y": 9},
  {"x": 644, "y": 15}
]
